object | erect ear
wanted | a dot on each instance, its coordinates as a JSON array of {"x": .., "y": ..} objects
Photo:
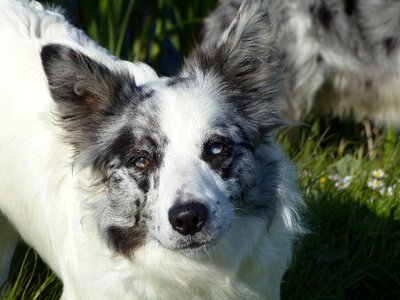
[
  {"x": 86, "y": 92},
  {"x": 245, "y": 63}
]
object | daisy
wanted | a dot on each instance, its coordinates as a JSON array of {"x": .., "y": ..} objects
[
  {"x": 344, "y": 183},
  {"x": 386, "y": 191},
  {"x": 378, "y": 174},
  {"x": 375, "y": 184}
]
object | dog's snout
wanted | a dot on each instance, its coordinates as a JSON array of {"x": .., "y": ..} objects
[{"x": 188, "y": 218}]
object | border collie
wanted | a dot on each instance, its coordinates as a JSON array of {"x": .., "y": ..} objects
[
  {"x": 341, "y": 57},
  {"x": 131, "y": 186}
]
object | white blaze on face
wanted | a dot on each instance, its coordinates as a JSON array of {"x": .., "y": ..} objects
[{"x": 186, "y": 117}]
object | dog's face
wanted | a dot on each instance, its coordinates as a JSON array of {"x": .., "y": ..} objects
[
  {"x": 177, "y": 158},
  {"x": 186, "y": 163}
]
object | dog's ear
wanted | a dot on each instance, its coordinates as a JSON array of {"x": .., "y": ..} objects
[
  {"x": 245, "y": 63},
  {"x": 86, "y": 92}
]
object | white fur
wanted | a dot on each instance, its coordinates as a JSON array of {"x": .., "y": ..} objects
[{"x": 43, "y": 197}]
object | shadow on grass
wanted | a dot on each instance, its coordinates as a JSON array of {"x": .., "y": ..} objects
[
  {"x": 350, "y": 254},
  {"x": 30, "y": 278}
]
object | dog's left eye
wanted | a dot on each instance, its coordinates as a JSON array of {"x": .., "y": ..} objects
[
  {"x": 142, "y": 163},
  {"x": 217, "y": 148}
]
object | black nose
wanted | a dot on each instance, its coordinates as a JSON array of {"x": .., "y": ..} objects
[{"x": 188, "y": 218}]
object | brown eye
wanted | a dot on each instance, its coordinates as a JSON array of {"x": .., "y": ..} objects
[
  {"x": 217, "y": 148},
  {"x": 142, "y": 163}
]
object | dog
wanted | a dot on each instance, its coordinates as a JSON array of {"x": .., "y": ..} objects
[
  {"x": 131, "y": 186},
  {"x": 341, "y": 57}
]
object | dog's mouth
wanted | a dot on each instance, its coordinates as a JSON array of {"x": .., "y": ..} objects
[
  {"x": 194, "y": 246},
  {"x": 196, "y": 250}
]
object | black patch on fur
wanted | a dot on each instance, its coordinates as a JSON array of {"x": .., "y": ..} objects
[
  {"x": 248, "y": 146},
  {"x": 137, "y": 212},
  {"x": 323, "y": 14},
  {"x": 221, "y": 163},
  {"x": 228, "y": 172},
  {"x": 120, "y": 148},
  {"x": 125, "y": 239},
  {"x": 177, "y": 80},
  {"x": 390, "y": 44},
  {"x": 234, "y": 5},
  {"x": 144, "y": 183},
  {"x": 87, "y": 93},
  {"x": 264, "y": 207},
  {"x": 76, "y": 79},
  {"x": 350, "y": 6},
  {"x": 145, "y": 94}
]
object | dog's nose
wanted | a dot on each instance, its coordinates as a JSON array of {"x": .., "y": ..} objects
[{"x": 188, "y": 218}]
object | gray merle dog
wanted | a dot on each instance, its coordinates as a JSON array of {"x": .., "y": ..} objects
[
  {"x": 340, "y": 57},
  {"x": 131, "y": 186}
]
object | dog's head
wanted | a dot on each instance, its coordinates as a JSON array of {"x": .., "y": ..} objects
[{"x": 179, "y": 159}]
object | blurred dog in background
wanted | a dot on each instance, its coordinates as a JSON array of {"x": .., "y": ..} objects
[{"x": 340, "y": 57}]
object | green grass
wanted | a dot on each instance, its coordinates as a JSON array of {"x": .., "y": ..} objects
[
  {"x": 30, "y": 278},
  {"x": 353, "y": 248}
]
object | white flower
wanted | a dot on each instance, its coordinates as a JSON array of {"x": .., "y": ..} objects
[
  {"x": 344, "y": 183},
  {"x": 334, "y": 177},
  {"x": 389, "y": 191},
  {"x": 378, "y": 174},
  {"x": 376, "y": 184},
  {"x": 347, "y": 178},
  {"x": 386, "y": 191}
]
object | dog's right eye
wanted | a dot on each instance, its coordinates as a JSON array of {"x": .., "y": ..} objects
[
  {"x": 142, "y": 163},
  {"x": 217, "y": 148}
]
